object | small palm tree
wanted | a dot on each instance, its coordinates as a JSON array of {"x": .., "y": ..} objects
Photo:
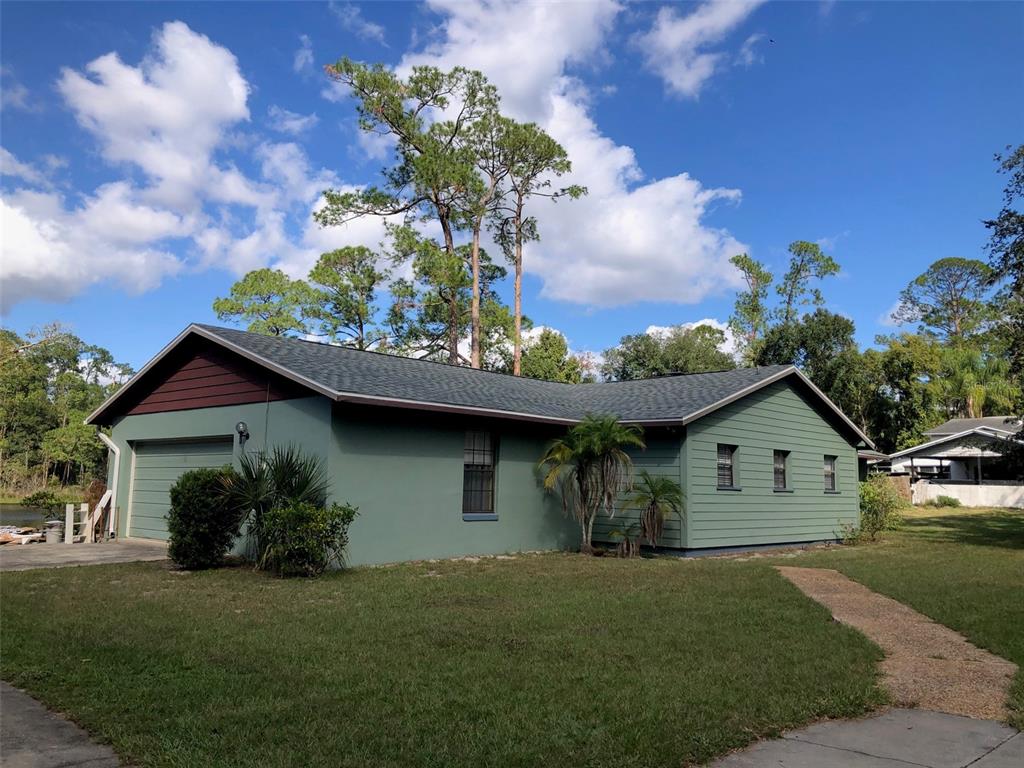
[
  {"x": 656, "y": 498},
  {"x": 264, "y": 481},
  {"x": 589, "y": 467}
]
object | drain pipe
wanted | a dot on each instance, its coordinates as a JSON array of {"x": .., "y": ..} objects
[{"x": 112, "y": 526}]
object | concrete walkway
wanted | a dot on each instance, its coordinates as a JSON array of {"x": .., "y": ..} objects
[
  {"x": 926, "y": 664},
  {"x": 22, "y": 557},
  {"x": 898, "y": 738},
  {"x": 33, "y": 737}
]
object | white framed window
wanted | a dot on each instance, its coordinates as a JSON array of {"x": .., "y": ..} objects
[
  {"x": 830, "y": 473},
  {"x": 780, "y": 462},
  {"x": 726, "y": 466}
]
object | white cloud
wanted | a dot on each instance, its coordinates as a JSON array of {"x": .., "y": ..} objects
[
  {"x": 677, "y": 47},
  {"x": 350, "y": 16},
  {"x": 375, "y": 146},
  {"x": 285, "y": 121},
  {"x": 888, "y": 318},
  {"x": 13, "y": 94},
  {"x": 165, "y": 116},
  {"x": 728, "y": 346},
  {"x": 14, "y": 168},
  {"x": 172, "y": 119},
  {"x": 52, "y": 253},
  {"x": 749, "y": 55},
  {"x": 303, "y": 61},
  {"x": 631, "y": 239}
]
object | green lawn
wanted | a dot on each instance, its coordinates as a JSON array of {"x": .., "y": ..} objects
[
  {"x": 963, "y": 568},
  {"x": 541, "y": 660}
]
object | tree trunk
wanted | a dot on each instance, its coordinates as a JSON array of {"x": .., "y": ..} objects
[
  {"x": 517, "y": 348},
  {"x": 474, "y": 355},
  {"x": 453, "y": 309}
]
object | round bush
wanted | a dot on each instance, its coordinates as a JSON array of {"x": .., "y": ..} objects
[
  {"x": 301, "y": 539},
  {"x": 202, "y": 522}
]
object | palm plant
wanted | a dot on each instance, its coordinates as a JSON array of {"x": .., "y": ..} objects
[
  {"x": 656, "y": 498},
  {"x": 589, "y": 468},
  {"x": 267, "y": 481},
  {"x": 974, "y": 385}
]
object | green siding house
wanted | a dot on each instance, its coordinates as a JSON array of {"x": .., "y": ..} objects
[{"x": 442, "y": 460}]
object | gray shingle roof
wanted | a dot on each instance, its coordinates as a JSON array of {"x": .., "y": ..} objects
[
  {"x": 370, "y": 374},
  {"x": 345, "y": 374},
  {"x": 956, "y": 426}
]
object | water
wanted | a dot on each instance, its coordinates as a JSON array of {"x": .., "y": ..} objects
[{"x": 16, "y": 514}]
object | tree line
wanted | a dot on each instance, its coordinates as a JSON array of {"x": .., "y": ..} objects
[
  {"x": 50, "y": 380},
  {"x": 463, "y": 173}
]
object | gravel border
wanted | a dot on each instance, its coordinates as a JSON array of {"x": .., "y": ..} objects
[{"x": 927, "y": 665}]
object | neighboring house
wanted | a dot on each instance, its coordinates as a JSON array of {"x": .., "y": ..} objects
[
  {"x": 959, "y": 453},
  {"x": 969, "y": 450},
  {"x": 442, "y": 460}
]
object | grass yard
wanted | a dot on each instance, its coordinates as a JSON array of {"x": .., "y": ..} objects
[
  {"x": 962, "y": 567},
  {"x": 539, "y": 660}
]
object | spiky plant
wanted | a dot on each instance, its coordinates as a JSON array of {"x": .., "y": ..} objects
[
  {"x": 656, "y": 498},
  {"x": 266, "y": 481},
  {"x": 589, "y": 468}
]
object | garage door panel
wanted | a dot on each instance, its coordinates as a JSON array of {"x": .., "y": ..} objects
[
  {"x": 163, "y": 475},
  {"x": 157, "y": 468},
  {"x": 176, "y": 462}
]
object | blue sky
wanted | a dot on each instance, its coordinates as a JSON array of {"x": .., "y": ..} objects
[{"x": 152, "y": 152}]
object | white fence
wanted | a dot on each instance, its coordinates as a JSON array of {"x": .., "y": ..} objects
[{"x": 989, "y": 494}]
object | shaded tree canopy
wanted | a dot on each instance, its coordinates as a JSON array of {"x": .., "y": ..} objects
[
  {"x": 679, "y": 350},
  {"x": 948, "y": 300},
  {"x": 548, "y": 357},
  {"x": 267, "y": 301}
]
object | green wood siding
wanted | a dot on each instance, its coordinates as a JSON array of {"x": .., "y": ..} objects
[
  {"x": 774, "y": 418},
  {"x": 661, "y": 457},
  {"x": 157, "y": 467}
]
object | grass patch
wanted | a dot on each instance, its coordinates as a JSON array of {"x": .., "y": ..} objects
[
  {"x": 541, "y": 660},
  {"x": 961, "y": 567}
]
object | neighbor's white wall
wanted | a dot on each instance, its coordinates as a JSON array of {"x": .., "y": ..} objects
[{"x": 987, "y": 494}]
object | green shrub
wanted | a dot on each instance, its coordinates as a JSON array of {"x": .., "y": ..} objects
[
  {"x": 47, "y": 502},
  {"x": 947, "y": 501},
  {"x": 881, "y": 508},
  {"x": 202, "y": 522},
  {"x": 303, "y": 539},
  {"x": 265, "y": 481}
]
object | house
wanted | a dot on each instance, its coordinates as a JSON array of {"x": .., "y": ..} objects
[
  {"x": 961, "y": 453},
  {"x": 442, "y": 460}
]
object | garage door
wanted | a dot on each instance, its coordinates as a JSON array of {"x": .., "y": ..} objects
[{"x": 157, "y": 466}]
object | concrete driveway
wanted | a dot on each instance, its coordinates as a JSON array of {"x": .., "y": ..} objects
[
  {"x": 898, "y": 738},
  {"x": 22, "y": 557}
]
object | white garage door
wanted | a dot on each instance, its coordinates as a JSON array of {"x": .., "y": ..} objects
[{"x": 157, "y": 466}]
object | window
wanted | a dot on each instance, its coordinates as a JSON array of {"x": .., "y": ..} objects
[
  {"x": 830, "y": 473},
  {"x": 779, "y": 461},
  {"x": 478, "y": 474},
  {"x": 726, "y": 473}
]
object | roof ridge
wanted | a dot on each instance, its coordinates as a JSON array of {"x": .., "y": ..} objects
[
  {"x": 673, "y": 374},
  {"x": 381, "y": 354}
]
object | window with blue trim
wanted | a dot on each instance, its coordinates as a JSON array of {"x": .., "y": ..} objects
[{"x": 478, "y": 464}]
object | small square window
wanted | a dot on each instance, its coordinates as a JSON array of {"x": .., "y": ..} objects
[
  {"x": 779, "y": 461},
  {"x": 726, "y": 466},
  {"x": 830, "y": 473}
]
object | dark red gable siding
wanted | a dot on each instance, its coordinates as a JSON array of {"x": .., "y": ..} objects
[{"x": 201, "y": 375}]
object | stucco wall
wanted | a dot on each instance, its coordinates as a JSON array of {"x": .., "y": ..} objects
[
  {"x": 403, "y": 469},
  {"x": 774, "y": 418},
  {"x": 988, "y": 494},
  {"x": 303, "y": 421}
]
